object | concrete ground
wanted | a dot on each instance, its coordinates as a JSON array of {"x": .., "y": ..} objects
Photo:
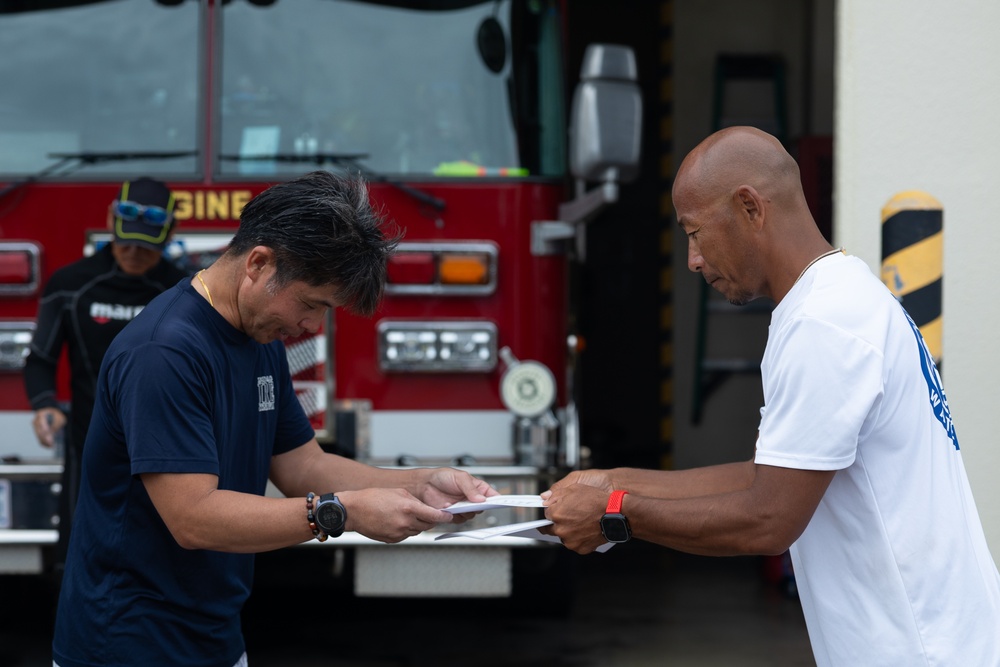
[{"x": 635, "y": 606}]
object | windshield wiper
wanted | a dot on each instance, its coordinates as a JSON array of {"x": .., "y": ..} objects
[
  {"x": 70, "y": 162},
  {"x": 348, "y": 160},
  {"x": 93, "y": 157}
]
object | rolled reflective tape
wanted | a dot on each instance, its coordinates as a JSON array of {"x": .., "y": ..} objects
[{"x": 913, "y": 258}]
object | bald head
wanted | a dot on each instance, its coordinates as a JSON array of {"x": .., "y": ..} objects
[{"x": 739, "y": 156}]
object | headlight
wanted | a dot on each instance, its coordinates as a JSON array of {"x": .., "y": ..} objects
[{"x": 436, "y": 347}]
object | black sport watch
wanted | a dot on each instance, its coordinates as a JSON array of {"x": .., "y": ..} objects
[
  {"x": 331, "y": 517},
  {"x": 614, "y": 524}
]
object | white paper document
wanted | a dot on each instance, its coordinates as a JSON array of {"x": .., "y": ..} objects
[
  {"x": 523, "y": 529},
  {"x": 495, "y": 502},
  {"x": 526, "y": 529}
]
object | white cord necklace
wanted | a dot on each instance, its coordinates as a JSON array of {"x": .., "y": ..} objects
[{"x": 825, "y": 254}]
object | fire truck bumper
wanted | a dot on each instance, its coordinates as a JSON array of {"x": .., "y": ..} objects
[
  {"x": 421, "y": 567},
  {"x": 21, "y": 551},
  {"x": 29, "y": 510}
]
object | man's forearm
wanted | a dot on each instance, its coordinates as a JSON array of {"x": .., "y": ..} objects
[
  {"x": 765, "y": 517},
  {"x": 351, "y": 475},
  {"x": 674, "y": 484},
  {"x": 329, "y": 473},
  {"x": 40, "y": 383}
]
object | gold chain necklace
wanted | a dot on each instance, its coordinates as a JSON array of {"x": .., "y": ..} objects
[
  {"x": 825, "y": 254},
  {"x": 209, "y": 294}
]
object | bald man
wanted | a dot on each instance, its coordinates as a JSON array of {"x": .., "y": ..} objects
[{"x": 857, "y": 468}]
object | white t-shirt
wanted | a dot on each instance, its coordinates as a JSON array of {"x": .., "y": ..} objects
[{"x": 893, "y": 569}]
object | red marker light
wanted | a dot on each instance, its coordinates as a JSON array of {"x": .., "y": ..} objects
[{"x": 411, "y": 268}]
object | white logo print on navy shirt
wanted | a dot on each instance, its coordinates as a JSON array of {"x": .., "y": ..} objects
[{"x": 265, "y": 393}]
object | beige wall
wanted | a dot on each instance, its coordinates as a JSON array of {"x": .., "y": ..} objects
[{"x": 917, "y": 100}]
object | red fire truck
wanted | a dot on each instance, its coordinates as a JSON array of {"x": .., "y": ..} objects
[{"x": 456, "y": 112}]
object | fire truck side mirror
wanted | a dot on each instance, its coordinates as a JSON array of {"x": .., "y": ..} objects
[
  {"x": 606, "y": 119},
  {"x": 604, "y": 138}
]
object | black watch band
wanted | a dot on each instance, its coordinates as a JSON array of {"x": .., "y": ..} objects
[{"x": 331, "y": 516}]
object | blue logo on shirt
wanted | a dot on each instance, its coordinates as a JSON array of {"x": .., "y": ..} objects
[{"x": 939, "y": 402}]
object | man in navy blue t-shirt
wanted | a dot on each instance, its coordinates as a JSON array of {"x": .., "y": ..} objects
[{"x": 195, "y": 411}]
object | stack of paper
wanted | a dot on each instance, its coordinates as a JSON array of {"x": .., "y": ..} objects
[{"x": 528, "y": 529}]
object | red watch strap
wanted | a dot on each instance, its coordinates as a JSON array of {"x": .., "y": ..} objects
[{"x": 615, "y": 502}]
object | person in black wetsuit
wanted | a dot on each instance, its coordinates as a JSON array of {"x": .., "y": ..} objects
[{"x": 84, "y": 306}]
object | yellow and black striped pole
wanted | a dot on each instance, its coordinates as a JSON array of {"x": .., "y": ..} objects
[{"x": 912, "y": 260}]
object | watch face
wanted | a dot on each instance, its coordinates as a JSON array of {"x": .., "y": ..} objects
[
  {"x": 330, "y": 517},
  {"x": 615, "y": 528}
]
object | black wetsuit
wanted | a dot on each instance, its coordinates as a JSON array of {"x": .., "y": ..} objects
[{"x": 84, "y": 306}]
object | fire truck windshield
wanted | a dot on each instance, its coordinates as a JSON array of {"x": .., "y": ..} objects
[
  {"x": 455, "y": 88},
  {"x": 99, "y": 77},
  {"x": 410, "y": 89}
]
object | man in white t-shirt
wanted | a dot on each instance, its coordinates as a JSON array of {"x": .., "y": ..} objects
[{"x": 857, "y": 468}]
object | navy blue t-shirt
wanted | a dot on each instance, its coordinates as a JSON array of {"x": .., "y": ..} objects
[{"x": 180, "y": 391}]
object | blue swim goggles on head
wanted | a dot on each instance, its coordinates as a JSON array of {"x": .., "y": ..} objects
[{"x": 130, "y": 210}]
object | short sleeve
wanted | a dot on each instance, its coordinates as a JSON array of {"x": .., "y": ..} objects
[
  {"x": 163, "y": 402},
  {"x": 821, "y": 384}
]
